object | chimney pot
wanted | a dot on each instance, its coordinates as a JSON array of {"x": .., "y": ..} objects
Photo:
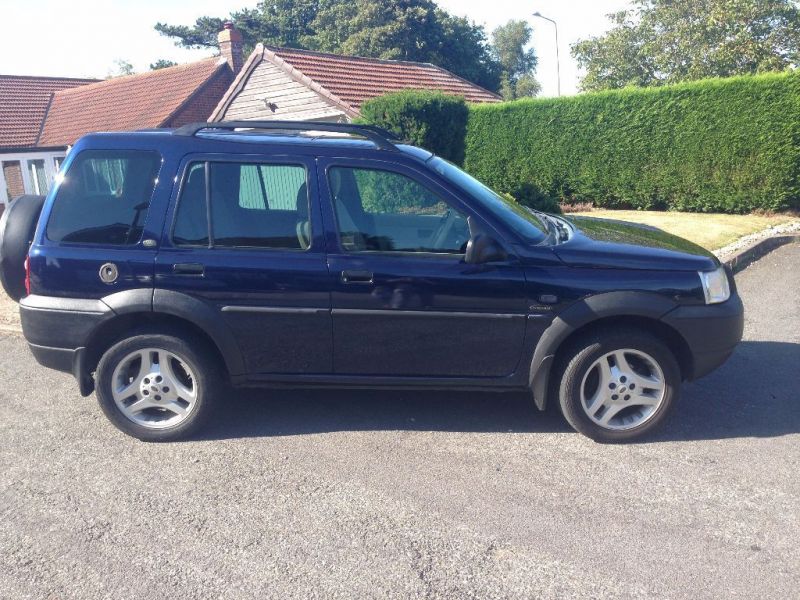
[{"x": 230, "y": 46}]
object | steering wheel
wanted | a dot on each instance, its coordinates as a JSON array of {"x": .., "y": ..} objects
[{"x": 452, "y": 232}]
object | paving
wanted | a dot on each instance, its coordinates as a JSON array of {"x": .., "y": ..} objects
[{"x": 414, "y": 495}]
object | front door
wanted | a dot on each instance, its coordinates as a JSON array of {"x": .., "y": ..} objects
[
  {"x": 247, "y": 240},
  {"x": 404, "y": 302}
]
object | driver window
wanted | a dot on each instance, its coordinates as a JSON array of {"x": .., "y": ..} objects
[{"x": 385, "y": 211}]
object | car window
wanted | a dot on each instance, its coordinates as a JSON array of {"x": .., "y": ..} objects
[
  {"x": 380, "y": 210},
  {"x": 191, "y": 221},
  {"x": 517, "y": 217},
  {"x": 104, "y": 197},
  {"x": 251, "y": 206}
]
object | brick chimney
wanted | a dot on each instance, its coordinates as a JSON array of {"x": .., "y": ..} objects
[{"x": 230, "y": 46}]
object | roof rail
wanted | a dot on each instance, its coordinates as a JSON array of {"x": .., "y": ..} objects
[{"x": 380, "y": 137}]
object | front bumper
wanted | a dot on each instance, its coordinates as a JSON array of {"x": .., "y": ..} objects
[{"x": 711, "y": 332}]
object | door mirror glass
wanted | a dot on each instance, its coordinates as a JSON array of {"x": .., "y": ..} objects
[{"x": 483, "y": 248}]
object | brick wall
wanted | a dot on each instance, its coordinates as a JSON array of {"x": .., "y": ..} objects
[
  {"x": 12, "y": 171},
  {"x": 204, "y": 101}
]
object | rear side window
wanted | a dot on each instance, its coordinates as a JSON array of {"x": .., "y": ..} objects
[
  {"x": 104, "y": 197},
  {"x": 251, "y": 206}
]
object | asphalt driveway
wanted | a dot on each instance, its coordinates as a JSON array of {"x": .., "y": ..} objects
[{"x": 358, "y": 494}]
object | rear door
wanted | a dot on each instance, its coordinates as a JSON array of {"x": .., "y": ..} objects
[
  {"x": 404, "y": 301},
  {"x": 246, "y": 239}
]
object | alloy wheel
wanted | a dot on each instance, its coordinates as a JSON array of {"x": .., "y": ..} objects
[
  {"x": 154, "y": 388},
  {"x": 623, "y": 389}
]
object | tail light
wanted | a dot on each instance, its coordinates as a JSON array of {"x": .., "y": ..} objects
[{"x": 27, "y": 276}]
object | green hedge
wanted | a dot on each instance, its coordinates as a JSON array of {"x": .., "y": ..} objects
[
  {"x": 718, "y": 145},
  {"x": 432, "y": 120},
  {"x": 722, "y": 145}
]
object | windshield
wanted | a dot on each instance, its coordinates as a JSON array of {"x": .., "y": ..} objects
[{"x": 522, "y": 220}]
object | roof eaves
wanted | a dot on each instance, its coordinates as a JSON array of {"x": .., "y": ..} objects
[
  {"x": 239, "y": 82},
  {"x": 470, "y": 83},
  {"x": 303, "y": 79}
]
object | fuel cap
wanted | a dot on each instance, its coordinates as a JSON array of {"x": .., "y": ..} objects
[{"x": 109, "y": 273}]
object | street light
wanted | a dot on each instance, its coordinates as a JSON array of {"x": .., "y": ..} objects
[{"x": 558, "y": 62}]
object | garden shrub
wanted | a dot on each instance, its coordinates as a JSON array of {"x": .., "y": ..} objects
[
  {"x": 719, "y": 145},
  {"x": 431, "y": 120}
]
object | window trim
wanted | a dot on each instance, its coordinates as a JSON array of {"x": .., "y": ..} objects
[
  {"x": 371, "y": 165},
  {"x": 56, "y": 189},
  {"x": 206, "y": 161}
]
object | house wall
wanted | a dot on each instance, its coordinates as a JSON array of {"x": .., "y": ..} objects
[
  {"x": 12, "y": 176},
  {"x": 269, "y": 83}
]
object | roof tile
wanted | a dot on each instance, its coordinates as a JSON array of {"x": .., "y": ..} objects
[
  {"x": 141, "y": 101},
  {"x": 23, "y": 104},
  {"x": 356, "y": 79}
]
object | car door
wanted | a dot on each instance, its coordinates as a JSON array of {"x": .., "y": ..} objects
[
  {"x": 404, "y": 301},
  {"x": 247, "y": 240}
]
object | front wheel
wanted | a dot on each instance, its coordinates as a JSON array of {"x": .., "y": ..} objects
[
  {"x": 619, "y": 385},
  {"x": 157, "y": 388}
]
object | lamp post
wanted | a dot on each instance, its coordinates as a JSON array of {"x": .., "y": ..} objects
[{"x": 558, "y": 62}]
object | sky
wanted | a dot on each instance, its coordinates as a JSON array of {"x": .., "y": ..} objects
[{"x": 84, "y": 38}]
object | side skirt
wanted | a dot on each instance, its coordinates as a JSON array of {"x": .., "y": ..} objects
[{"x": 504, "y": 384}]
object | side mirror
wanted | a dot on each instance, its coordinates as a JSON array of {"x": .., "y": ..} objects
[{"x": 483, "y": 249}]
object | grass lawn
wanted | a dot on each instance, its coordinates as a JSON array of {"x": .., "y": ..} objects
[{"x": 711, "y": 231}]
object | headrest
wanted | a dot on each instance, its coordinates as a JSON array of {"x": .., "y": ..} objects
[{"x": 302, "y": 203}]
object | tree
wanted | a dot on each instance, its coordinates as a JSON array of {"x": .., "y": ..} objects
[
  {"x": 391, "y": 29},
  {"x": 162, "y": 63},
  {"x": 517, "y": 63},
  {"x": 666, "y": 41},
  {"x": 121, "y": 67}
]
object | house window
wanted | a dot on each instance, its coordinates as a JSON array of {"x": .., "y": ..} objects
[{"x": 38, "y": 176}]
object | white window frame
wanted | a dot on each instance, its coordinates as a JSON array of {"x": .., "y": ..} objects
[{"x": 30, "y": 185}]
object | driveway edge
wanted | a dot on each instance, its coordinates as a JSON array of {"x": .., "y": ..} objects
[{"x": 752, "y": 252}]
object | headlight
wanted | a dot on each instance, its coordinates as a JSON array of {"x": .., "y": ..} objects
[{"x": 715, "y": 285}]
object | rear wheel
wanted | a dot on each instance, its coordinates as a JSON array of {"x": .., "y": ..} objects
[
  {"x": 157, "y": 387},
  {"x": 617, "y": 386}
]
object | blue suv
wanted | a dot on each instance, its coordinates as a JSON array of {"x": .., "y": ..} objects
[{"x": 167, "y": 266}]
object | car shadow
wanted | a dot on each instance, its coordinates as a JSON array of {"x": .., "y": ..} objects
[{"x": 755, "y": 394}]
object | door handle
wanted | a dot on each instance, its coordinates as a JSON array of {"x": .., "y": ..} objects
[
  {"x": 188, "y": 269},
  {"x": 357, "y": 277}
]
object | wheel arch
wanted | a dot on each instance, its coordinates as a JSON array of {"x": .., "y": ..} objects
[
  {"x": 119, "y": 327},
  {"x": 642, "y": 310}
]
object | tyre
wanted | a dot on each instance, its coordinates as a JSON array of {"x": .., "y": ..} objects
[
  {"x": 618, "y": 385},
  {"x": 17, "y": 227},
  {"x": 158, "y": 388}
]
